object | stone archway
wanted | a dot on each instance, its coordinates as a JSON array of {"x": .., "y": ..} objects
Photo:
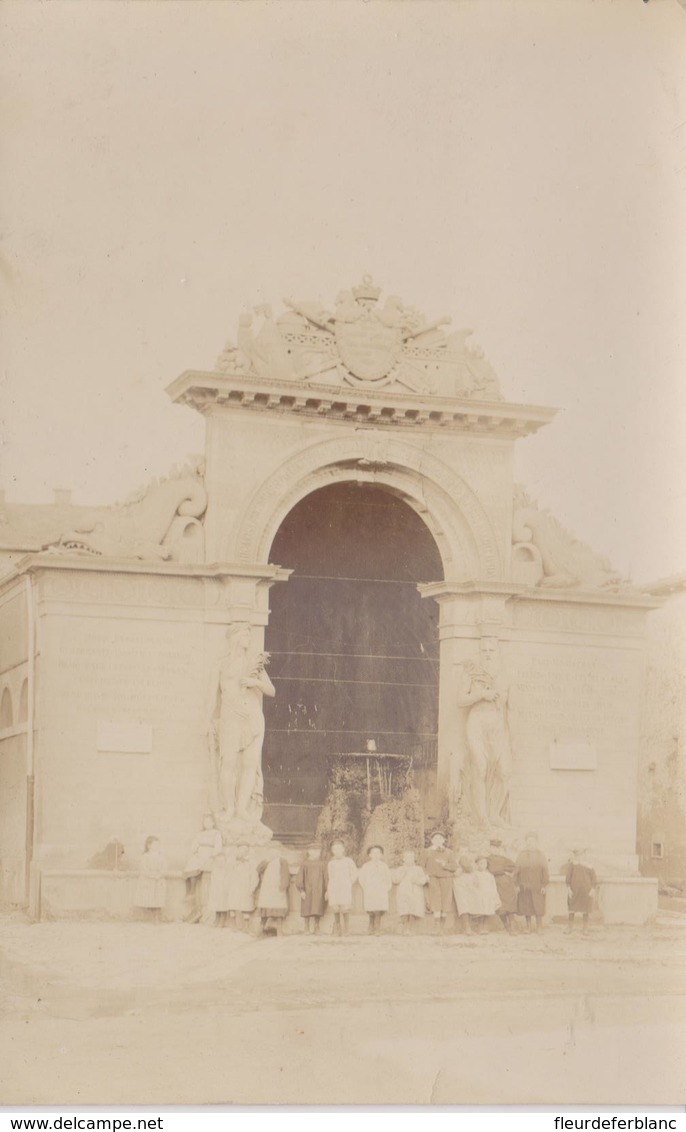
[
  {"x": 451, "y": 510},
  {"x": 354, "y": 649},
  {"x": 448, "y": 507}
]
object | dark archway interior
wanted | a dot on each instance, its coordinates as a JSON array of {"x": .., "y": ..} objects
[{"x": 354, "y": 646}]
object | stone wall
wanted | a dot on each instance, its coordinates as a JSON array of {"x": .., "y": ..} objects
[
  {"x": 123, "y": 672},
  {"x": 12, "y": 818},
  {"x": 662, "y": 795},
  {"x": 13, "y": 743},
  {"x": 574, "y": 704}
]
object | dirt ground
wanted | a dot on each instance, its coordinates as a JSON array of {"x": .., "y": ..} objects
[{"x": 131, "y": 1013}]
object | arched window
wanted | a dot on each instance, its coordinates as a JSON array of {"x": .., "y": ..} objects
[{"x": 6, "y": 710}]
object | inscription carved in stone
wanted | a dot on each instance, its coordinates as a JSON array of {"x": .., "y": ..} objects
[
  {"x": 136, "y": 672},
  {"x": 571, "y": 698},
  {"x": 576, "y": 618},
  {"x": 124, "y": 589}
]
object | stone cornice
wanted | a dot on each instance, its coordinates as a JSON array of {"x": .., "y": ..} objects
[
  {"x": 206, "y": 392},
  {"x": 627, "y": 599},
  {"x": 34, "y": 563}
]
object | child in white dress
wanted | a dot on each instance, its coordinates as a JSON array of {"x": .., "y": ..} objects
[
  {"x": 242, "y": 882},
  {"x": 151, "y": 887},
  {"x": 341, "y": 875},
  {"x": 466, "y": 888},
  {"x": 410, "y": 880},
  {"x": 198, "y": 867},
  {"x": 487, "y": 897},
  {"x": 217, "y": 898},
  {"x": 272, "y": 898},
  {"x": 376, "y": 883}
]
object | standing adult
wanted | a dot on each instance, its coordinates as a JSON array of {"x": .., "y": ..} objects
[
  {"x": 198, "y": 868},
  {"x": 502, "y": 868}
]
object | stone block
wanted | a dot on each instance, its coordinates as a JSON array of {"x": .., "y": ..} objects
[
  {"x": 628, "y": 900},
  {"x": 72, "y": 894}
]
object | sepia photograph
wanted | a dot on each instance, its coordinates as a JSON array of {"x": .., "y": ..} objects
[{"x": 343, "y": 553}]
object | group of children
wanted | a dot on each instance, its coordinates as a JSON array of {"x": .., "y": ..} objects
[
  {"x": 331, "y": 883},
  {"x": 227, "y": 891},
  {"x": 477, "y": 887},
  {"x": 486, "y": 885}
]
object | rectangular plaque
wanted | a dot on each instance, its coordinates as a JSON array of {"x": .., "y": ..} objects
[
  {"x": 124, "y": 738},
  {"x": 572, "y": 756}
]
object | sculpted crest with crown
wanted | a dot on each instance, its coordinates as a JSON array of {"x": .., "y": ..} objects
[{"x": 361, "y": 343}]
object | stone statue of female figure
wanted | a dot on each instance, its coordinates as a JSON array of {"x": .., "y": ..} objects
[
  {"x": 236, "y": 731},
  {"x": 484, "y": 690}
]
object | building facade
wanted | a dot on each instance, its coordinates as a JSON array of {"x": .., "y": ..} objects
[{"x": 355, "y": 510}]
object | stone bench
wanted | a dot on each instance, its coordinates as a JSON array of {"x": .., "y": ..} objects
[{"x": 72, "y": 893}]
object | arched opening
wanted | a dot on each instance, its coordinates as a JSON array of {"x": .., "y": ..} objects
[
  {"x": 354, "y": 646},
  {"x": 6, "y": 718}
]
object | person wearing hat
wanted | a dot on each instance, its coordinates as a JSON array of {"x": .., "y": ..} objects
[
  {"x": 503, "y": 869},
  {"x": 376, "y": 882},
  {"x": 532, "y": 878},
  {"x": 311, "y": 881},
  {"x": 440, "y": 865},
  {"x": 581, "y": 884}
]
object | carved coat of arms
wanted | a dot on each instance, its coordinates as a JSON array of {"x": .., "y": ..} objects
[
  {"x": 360, "y": 343},
  {"x": 369, "y": 345}
]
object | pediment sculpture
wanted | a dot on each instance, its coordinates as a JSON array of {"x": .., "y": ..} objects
[
  {"x": 545, "y": 554},
  {"x": 360, "y": 342},
  {"x": 162, "y": 521}
]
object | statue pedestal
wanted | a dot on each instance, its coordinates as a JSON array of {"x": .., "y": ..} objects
[
  {"x": 236, "y": 831},
  {"x": 472, "y": 836}
]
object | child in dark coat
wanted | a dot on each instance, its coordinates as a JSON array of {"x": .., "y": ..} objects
[
  {"x": 311, "y": 880},
  {"x": 532, "y": 879},
  {"x": 581, "y": 884}
]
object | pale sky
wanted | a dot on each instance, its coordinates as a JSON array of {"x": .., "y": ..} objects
[{"x": 520, "y": 166}]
